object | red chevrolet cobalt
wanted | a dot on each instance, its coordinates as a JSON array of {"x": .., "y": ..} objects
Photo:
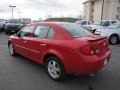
[{"x": 63, "y": 48}]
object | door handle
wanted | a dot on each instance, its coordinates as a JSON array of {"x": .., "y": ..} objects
[{"x": 43, "y": 44}]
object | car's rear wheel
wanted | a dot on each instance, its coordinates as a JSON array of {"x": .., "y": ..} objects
[
  {"x": 11, "y": 49},
  {"x": 114, "y": 39},
  {"x": 55, "y": 68}
]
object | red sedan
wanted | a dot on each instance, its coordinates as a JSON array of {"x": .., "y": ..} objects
[{"x": 64, "y": 48}]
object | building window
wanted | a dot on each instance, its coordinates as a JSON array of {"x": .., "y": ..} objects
[
  {"x": 118, "y": 17},
  {"x": 86, "y": 4},
  {"x": 93, "y": 3},
  {"x": 92, "y": 10},
  {"x": 118, "y": 9}
]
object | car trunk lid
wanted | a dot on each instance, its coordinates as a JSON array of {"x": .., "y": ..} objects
[{"x": 98, "y": 43}]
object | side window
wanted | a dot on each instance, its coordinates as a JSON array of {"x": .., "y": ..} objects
[
  {"x": 107, "y": 23},
  {"x": 113, "y": 22},
  {"x": 84, "y": 23},
  {"x": 88, "y": 22},
  {"x": 41, "y": 31},
  {"x": 25, "y": 32},
  {"x": 51, "y": 33}
]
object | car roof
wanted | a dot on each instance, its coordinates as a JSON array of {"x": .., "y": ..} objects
[
  {"x": 82, "y": 20},
  {"x": 107, "y": 20},
  {"x": 50, "y": 23}
]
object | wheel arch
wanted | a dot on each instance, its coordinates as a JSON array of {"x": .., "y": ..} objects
[
  {"x": 52, "y": 54},
  {"x": 58, "y": 60},
  {"x": 115, "y": 34},
  {"x": 9, "y": 43}
]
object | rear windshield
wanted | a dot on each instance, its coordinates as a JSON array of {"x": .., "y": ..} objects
[{"x": 76, "y": 30}]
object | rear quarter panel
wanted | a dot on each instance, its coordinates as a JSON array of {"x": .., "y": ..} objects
[{"x": 66, "y": 51}]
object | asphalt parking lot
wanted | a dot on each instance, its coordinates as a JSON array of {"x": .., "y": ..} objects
[{"x": 19, "y": 73}]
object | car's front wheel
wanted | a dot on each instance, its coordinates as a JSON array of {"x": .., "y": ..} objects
[
  {"x": 114, "y": 39},
  {"x": 55, "y": 68},
  {"x": 11, "y": 49}
]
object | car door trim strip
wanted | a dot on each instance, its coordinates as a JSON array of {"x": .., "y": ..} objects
[{"x": 27, "y": 48}]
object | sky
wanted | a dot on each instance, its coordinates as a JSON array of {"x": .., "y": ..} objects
[{"x": 41, "y": 9}]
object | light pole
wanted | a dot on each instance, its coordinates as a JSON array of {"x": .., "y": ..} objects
[
  {"x": 12, "y": 6},
  {"x": 102, "y": 9}
]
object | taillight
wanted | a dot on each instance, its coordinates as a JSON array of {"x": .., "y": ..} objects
[{"x": 88, "y": 50}]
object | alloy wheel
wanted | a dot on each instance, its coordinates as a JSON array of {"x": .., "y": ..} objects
[
  {"x": 54, "y": 69},
  {"x": 114, "y": 40},
  {"x": 11, "y": 49}
]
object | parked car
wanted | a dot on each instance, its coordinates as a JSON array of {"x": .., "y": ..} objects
[
  {"x": 83, "y": 22},
  {"x": 63, "y": 48},
  {"x": 101, "y": 24},
  {"x": 112, "y": 31},
  {"x": 12, "y": 26},
  {"x": 2, "y": 24}
]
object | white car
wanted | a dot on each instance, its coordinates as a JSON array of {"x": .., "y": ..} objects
[
  {"x": 83, "y": 22},
  {"x": 112, "y": 31},
  {"x": 101, "y": 24}
]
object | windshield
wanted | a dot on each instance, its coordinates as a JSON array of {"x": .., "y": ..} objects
[
  {"x": 78, "y": 22},
  {"x": 76, "y": 30},
  {"x": 114, "y": 26}
]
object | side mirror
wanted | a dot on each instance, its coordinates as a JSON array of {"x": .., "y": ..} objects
[{"x": 17, "y": 35}]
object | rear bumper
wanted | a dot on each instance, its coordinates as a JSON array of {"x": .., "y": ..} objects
[
  {"x": 87, "y": 64},
  {"x": 92, "y": 67}
]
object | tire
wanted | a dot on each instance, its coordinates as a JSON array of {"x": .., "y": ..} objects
[
  {"x": 114, "y": 39},
  {"x": 11, "y": 49},
  {"x": 6, "y": 32},
  {"x": 55, "y": 68}
]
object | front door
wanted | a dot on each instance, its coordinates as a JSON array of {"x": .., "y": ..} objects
[{"x": 22, "y": 40}]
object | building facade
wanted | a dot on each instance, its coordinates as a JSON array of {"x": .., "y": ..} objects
[{"x": 101, "y": 10}]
